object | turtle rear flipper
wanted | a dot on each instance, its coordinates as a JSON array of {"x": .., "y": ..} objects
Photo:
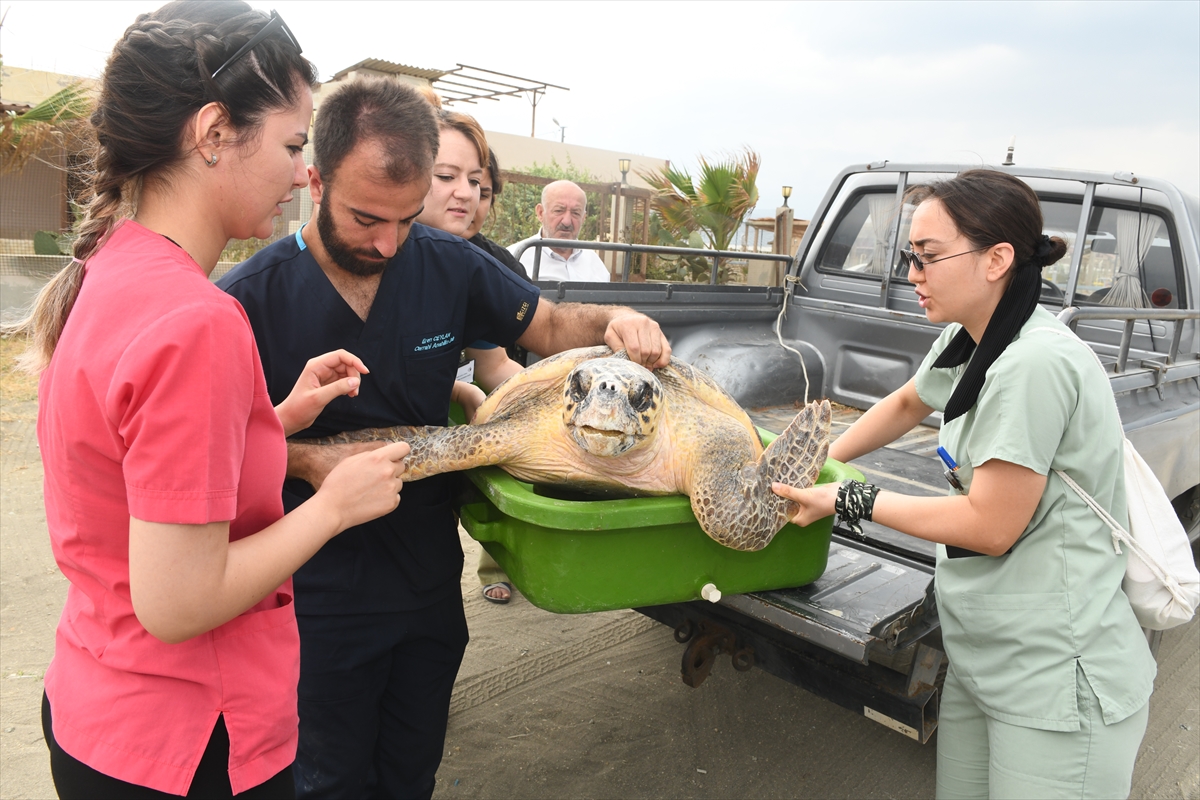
[{"x": 738, "y": 509}]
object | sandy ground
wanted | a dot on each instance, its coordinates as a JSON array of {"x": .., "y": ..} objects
[{"x": 554, "y": 706}]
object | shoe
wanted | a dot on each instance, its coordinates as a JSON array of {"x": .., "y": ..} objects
[{"x": 498, "y": 600}]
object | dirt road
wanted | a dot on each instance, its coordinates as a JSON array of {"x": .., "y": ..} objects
[{"x": 555, "y": 706}]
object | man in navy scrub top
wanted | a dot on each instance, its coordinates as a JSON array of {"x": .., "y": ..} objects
[{"x": 382, "y": 629}]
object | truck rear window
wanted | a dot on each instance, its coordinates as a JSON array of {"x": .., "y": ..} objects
[{"x": 1128, "y": 260}]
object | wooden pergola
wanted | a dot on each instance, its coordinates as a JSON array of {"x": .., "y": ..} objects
[
  {"x": 467, "y": 84},
  {"x": 768, "y": 224}
]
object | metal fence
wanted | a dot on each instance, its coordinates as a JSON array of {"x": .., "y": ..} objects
[{"x": 730, "y": 257}]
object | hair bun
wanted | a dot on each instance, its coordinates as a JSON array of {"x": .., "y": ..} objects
[{"x": 1048, "y": 250}]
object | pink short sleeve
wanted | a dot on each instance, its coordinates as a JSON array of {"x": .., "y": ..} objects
[{"x": 180, "y": 400}]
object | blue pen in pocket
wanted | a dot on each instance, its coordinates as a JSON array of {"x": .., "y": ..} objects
[{"x": 951, "y": 473}]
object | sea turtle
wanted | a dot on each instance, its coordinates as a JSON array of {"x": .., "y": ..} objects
[{"x": 592, "y": 419}]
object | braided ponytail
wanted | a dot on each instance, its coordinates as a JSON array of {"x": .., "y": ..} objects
[{"x": 158, "y": 76}]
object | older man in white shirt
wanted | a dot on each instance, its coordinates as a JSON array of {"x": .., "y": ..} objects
[{"x": 561, "y": 212}]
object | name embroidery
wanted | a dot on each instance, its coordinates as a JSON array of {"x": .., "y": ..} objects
[
  {"x": 524, "y": 310},
  {"x": 433, "y": 342}
]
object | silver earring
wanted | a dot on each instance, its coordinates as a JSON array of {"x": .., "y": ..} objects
[{"x": 213, "y": 161}]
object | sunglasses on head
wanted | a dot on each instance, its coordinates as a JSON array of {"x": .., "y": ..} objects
[
  {"x": 918, "y": 261},
  {"x": 275, "y": 23}
]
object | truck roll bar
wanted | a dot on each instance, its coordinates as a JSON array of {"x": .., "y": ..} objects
[
  {"x": 1072, "y": 315},
  {"x": 630, "y": 249}
]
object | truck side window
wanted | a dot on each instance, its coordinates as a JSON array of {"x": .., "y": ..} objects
[
  {"x": 860, "y": 238},
  {"x": 1059, "y": 219},
  {"x": 1129, "y": 261}
]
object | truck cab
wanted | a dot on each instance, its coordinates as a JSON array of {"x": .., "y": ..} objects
[{"x": 846, "y": 325}]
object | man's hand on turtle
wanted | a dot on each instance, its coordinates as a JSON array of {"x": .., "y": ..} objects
[{"x": 640, "y": 337}]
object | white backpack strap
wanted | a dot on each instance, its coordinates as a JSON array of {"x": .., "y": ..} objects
[{"x": 1121, "y": 536}]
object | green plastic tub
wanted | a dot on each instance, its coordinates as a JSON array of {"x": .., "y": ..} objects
[{"x": 577, "y": 556}]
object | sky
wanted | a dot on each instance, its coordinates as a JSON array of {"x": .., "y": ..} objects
[{"x": 813, "y": 87}]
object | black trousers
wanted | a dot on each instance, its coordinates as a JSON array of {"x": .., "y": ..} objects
[
  {"x": 74, "y": 780},
  {"x": 374, "y": 700}
]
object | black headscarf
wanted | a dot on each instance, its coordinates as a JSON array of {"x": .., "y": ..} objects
[{"x": 1013, "y": 310}]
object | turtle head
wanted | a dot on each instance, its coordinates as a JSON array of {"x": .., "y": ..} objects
[{"x": 611, "y": 405}]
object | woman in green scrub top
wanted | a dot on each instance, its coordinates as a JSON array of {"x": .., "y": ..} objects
[{"x": 1048, "y": 686}]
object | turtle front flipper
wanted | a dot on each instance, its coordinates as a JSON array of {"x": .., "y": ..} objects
[
  {"x": 434, "y": 449},
  {"x": 737, "y": 508}
]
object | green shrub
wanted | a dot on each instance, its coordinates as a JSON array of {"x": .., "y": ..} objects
[{"x": 45, "y": 243}]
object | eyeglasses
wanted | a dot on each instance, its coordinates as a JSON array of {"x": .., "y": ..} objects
[
  {"x": 274, "y": 23},
  {"x": 918, "y": 262}
]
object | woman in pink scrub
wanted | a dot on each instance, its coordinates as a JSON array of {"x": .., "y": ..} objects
[{"x": 177, "y": 655}]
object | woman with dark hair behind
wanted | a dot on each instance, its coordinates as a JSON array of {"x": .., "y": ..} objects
[
  {"x": 177, "y": 654},
  {"x": 458, "y": 202},
  {"x": 490, "y": 188},
  {"x": 1048, "y": 686},
  {"x": 494, "y": 583}
]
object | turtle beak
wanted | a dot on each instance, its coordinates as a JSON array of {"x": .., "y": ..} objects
[
  {"x": 603, "y": 443},
  {"x": 598, "y": 428}
]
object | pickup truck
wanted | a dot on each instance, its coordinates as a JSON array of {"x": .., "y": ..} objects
[{"x": 845, "y": 325}]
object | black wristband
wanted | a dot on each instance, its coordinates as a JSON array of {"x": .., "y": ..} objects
[{"x": 855, "y": 501}]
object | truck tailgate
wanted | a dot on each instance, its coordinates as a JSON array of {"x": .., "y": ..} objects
[{"x": 868, "y": 601}]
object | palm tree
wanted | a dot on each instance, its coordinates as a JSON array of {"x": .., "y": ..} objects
[
  {"x": 57, "y": 118},
  {"x": 714, "y": 204}
]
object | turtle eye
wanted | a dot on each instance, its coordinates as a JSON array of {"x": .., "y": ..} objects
[
  {"x": 643, "y": 397},
  {"x": 579, "y": 385}
]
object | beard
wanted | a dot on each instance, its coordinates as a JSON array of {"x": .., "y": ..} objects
[{"x": 340, "y": 251}]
